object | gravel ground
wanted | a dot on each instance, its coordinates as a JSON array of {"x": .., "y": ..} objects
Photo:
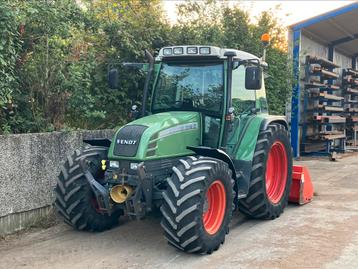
[{"x": 322, "y": 234}]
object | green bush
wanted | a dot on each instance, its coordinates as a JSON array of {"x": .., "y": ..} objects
[{"x": 54, "y": 56}]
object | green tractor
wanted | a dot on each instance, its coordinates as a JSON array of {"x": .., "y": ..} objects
[{"x": 202, "y": 146}]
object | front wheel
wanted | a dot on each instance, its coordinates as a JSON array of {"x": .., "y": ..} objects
[
  {"x": 75, "y": 200},
  {"x": 198, "y": 204},
  {"x": 271, "y": 175}
]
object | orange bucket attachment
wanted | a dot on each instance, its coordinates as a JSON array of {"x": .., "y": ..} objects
[{"x": 301, "y": 188}]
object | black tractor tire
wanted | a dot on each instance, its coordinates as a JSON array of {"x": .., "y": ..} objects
[
  {"x": 186, "y": 203},
  {"x": 75, "y": 200},
  {"x": 262, "y": 201}
]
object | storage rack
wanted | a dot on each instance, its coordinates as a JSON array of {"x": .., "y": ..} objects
[
  {"x": 350, "y": 86},
  {"x": 323, "y": 129}
]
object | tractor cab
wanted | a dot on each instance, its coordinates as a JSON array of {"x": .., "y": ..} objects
[{"x": 221, "y": 85}]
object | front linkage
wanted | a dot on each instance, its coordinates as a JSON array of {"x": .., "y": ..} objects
[{"x": 132, "y": 190}]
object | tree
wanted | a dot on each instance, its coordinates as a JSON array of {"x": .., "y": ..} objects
[
  {"x": 215, "y": 23},
  {"x": 54, "y": 56},
  {"x": 9, "y": 49}
]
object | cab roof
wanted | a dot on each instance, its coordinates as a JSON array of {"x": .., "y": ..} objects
[{"x": 202, "y": 51}]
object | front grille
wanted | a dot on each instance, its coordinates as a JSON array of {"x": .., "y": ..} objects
[{"x": 128, "y": 139}]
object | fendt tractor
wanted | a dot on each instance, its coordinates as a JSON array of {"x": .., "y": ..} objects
[{"x": 201, "y": 146}]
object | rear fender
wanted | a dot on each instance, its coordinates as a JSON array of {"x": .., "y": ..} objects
[
  {"x": 274, "y": 119},
  {"x": 245, "y": 148}
]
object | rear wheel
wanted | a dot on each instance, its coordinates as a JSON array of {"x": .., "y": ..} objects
[
  {"x": 271, "y": 175},
  {"x": 197, "y": 205},
  {"x": 75, "y": 200}
]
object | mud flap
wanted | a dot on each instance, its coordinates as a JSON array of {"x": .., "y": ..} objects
[{"x": 301, "y": 189}]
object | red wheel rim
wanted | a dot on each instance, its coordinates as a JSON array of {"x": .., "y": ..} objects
[
  {"x": 276, "y": 172},
  {"x": 214, "y": 212},
  {"x": 95, "y": 205}
]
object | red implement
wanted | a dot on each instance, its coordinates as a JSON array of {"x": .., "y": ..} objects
[{"x": 301, "y": 188}]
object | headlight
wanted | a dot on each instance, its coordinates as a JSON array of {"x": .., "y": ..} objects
[
  {"x": 167, "y": 51},
  {"x": 178, "y": 50},
  {"x": 114, "y": 164},
  {"x": 192, "y": 50},
  {"x": 204, "y": 50},
  {"x": 134, "y": 166}
]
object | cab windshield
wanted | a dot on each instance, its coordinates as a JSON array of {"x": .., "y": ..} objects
[{"x": 190, "y": 87}]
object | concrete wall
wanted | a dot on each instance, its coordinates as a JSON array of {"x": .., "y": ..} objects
[{"x": 29, "y": 165}]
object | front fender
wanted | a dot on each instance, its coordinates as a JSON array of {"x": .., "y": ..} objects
[{"x": 215, "y": 153}]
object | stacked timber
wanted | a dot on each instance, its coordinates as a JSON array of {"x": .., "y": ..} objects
[
  {"x": 323, "y": 114},
  {"x": 350, "y": 85}
]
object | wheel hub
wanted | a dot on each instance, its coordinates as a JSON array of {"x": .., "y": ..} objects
[
  {"x": 276, "y": 172},
  {"x": 214, "y": 207}
]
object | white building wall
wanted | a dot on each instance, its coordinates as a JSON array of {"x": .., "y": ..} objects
[
  {"x": 343, "y": 61},
  {"x": 313, "y": 48}
]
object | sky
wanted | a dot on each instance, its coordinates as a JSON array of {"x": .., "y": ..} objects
[{"x": 290, "y": 12}]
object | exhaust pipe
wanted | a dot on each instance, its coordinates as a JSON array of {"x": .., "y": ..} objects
[{"x": 120, "y": 193}]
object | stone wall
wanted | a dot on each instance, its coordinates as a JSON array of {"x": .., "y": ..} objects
[{"x": 29, "y": 165}]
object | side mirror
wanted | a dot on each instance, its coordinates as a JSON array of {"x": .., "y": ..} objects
[
  {"x": 113, "y": 78},
  {"x": 253, "y": 78}
]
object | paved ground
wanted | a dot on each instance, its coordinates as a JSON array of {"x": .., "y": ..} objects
[{"x": 322, "y": 234}]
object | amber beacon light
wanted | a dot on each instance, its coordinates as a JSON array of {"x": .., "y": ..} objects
[{"x": 265, "y": 38}]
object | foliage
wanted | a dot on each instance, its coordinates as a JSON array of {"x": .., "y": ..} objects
[
  {"x": 9, "y": 47},
  {"x": 54, "y": 56},
  {"x": 215, "y": 23}
]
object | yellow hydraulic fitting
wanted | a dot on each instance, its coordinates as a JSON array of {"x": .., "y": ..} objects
[{"x": 104, "y": 166}]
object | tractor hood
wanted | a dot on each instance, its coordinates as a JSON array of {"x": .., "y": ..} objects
[{"x": 161, "y": 135}]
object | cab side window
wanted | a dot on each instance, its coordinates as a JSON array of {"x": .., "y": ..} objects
[
  {"x": 261, "y": 102},
  {"x": 242, "y": 100},
  {"x": 211, "y": 132}
]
